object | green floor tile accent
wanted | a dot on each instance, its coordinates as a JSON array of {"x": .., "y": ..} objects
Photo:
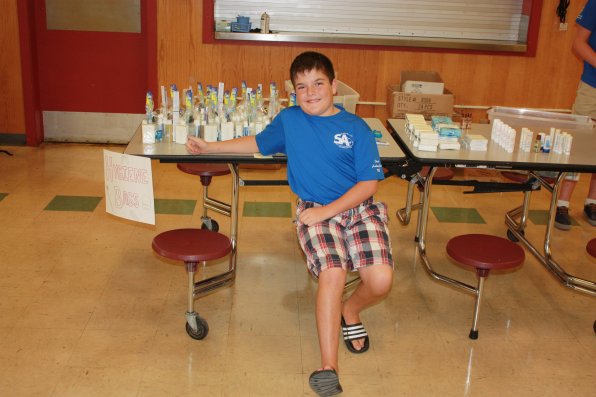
[
  {"x": 2, "y": 195},
  {"x": 457, "y": 215},
  {"x": 73, "y": 203},
  {"x": 175, "y": 207},
  {"x": 269, "y": 209},
  {"x": 540, "y": 217}
]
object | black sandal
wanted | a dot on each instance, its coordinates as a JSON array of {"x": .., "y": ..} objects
[
  {"x": 325, "y": 382},
  {"x": 353, "y": 332}
]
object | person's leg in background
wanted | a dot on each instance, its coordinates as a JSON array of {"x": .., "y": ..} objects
[
  {"x": 590, "y": 203},
  {"x": 562, "y": 219}
]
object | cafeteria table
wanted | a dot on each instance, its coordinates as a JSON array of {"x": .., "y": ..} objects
[{"x": 582, "y": 158}]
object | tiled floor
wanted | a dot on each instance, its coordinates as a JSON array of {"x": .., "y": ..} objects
[{"x": 87, "y": 309}]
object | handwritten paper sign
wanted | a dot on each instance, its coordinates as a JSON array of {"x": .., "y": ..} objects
[{"x": 129, "y": 187}]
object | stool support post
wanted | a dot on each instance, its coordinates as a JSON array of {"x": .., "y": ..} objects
[
  {"x": 234, "y": 214},
  {"x": 474, "y": 330},
  {"x": 205, "y": 198},
  {"x": 191, "y": 268}
]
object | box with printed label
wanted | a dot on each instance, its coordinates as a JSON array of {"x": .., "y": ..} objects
[
  {"x": 399, "y": 103},
  {"x": 422, "y": 82}
]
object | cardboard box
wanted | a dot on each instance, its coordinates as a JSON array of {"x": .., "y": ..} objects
[
  {"x": 422, "y": 82},
  {"x": 399, "y": 103}
]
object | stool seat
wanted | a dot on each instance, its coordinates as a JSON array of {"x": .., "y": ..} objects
[
  {"x": 192, "y": 245},
  {"x": 204, "y": 169},
  {"x": 515, "y": 176},
  {"x": 483, "y": 251},
  {"x": 441, "y": 174},
  {"x": 591, "y": 247},
  {"x": 523, "y": 177}
]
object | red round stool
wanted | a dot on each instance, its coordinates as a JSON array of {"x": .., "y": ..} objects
[
  {"x": 405, "y": 213},
  {"x": 206, "y": 172},
  {"x": 523, "y": 177},
  {"x": 515, "y": 176},
  {"x": 484, "y": 253},
  {"x": 192, "y": 246},
  {"x": 591, "y": 247},
  {"x": 441, "y": 174}
]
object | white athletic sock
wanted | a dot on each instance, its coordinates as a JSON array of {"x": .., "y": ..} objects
[
  {"x": 590, "y": 201},
  {"x": 562, "y": 203}
]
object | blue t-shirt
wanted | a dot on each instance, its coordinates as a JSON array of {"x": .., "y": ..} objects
[
  {"x": 326, "y": 155},
  {"x": 587, "y": 19}
]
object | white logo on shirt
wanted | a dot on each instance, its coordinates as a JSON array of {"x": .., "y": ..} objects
[
  {"x": 343, "y": 140},
  {"x": 378, "y": 166}
]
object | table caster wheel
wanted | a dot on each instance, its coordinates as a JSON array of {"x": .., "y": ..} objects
[
  {"x": 512, "y": 237},
  {"x": 210, "y": 224},
  {"x": 202, "y": 329}
]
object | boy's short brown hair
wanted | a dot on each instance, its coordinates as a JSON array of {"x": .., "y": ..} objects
[{"x": 311, "y": 60}]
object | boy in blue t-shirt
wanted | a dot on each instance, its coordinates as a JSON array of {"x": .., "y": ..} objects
[{"x": 334, "y": 168}]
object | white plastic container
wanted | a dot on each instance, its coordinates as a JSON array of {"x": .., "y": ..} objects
[
  {"x": 346, "y": 97},
  {"x": 538, "y": 120}
]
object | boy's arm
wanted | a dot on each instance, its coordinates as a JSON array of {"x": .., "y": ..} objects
[
  {"x": 245, "y": 144},
  {"x": 350, "y": 199}
]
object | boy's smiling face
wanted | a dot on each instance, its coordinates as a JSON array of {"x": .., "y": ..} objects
[{"x": 314, "y": 93}]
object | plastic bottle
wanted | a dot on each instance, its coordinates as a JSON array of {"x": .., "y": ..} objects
[{"x": 264, "y": 23}]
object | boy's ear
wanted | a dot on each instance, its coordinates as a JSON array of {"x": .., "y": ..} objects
[{"x": 334, "y": 86}]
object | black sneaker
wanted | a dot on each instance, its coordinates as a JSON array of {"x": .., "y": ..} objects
[
  {"x": 562, "y": 219},
  {"x": 590, "y": 213}
]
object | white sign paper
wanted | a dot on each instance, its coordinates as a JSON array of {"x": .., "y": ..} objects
[{"x": 129, "y": 187}]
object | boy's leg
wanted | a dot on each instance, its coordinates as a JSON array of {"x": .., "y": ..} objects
[
  {"x": 375, "y": 283},
  {"x": 370, "y": 250},
  {"x": 328, "y": 312}
]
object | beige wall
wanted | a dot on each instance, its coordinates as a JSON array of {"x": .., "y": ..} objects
[{"x": 547, "y": 80}]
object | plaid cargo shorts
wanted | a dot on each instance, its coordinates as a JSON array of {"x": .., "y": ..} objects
[{"x": 351, "y": 240}]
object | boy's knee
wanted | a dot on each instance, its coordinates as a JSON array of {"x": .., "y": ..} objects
[
  {"x": 380, "y": 280},
  {"x": 384, "y": 287}
]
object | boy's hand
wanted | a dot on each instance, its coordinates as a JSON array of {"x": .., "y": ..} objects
[
  {"x": 313, "y": 215},
  {"x": 196, "y": 145}
]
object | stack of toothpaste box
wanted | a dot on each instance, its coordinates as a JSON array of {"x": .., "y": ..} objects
[
  {"x": 422, "y": 135},
  {"x": 449, "y": 133}
]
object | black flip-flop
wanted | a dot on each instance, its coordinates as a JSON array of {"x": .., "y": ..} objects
[
  {"x": 325, "y": 382},
  {"x": 352, "y": 332}
]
